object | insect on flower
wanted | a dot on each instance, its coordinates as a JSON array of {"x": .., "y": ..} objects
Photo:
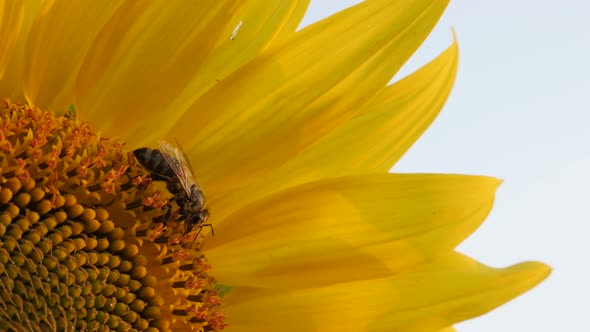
[{"x": 170, "y": 164}]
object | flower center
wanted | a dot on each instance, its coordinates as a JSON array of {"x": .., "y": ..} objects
[{"x": 87, "y": 240}]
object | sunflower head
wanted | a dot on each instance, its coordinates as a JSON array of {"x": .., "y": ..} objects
[{"x": 78, "y": 219}]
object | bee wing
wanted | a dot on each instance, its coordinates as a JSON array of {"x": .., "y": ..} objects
[{"x": 180, "y": 165}]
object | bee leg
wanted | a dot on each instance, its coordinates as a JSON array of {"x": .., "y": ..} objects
[
  {"x": 201, "y": 229},
  {"x": 168, "y": 213},
  {"x": 199, "y": 233},
  {"x": 197, "y": 236},
  {"x": 167, "y": 216},
  {"x": 210, "y": 226}
]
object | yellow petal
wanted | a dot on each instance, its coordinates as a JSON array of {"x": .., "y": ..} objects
[
  {"x": 57, "y": 44},
  {"x": 348, "y": 228},
  {"x": 448, "y": 329},
  {"x": 11, "y": 18},
  {"x": 427, "y": 299},
  {"x": 370, "y": 142},
  {"x": 155, "y": 57},
  {"x": 297, "y": 94},
  {"x": 376, "y": 139},
  {"x": 11, "y": 84}
]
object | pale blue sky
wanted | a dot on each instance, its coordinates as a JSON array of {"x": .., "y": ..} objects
[{"x": 519, "y": 112}]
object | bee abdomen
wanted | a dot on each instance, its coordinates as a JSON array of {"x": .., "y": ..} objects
[{"x": 153, "y": 161}]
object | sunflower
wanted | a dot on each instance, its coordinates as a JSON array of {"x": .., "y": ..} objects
[{"x": 291, "y": 135}]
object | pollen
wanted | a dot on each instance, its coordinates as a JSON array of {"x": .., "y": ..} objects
[{"x": 87, "y": 241}]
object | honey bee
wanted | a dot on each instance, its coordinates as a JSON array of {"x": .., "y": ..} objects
[{"x": 170, "y": 164}]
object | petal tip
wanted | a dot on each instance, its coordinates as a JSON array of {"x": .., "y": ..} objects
[
  {"x": 536, "y": 272},
  {"x": 522, "y": 277}
]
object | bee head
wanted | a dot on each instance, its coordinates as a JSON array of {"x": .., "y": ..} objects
[
  {"x": 203, "y": 215},
  {"x": 197, "y": 196}
]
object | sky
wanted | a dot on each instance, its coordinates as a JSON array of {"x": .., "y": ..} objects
[{"x": 518, "y": 112}]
